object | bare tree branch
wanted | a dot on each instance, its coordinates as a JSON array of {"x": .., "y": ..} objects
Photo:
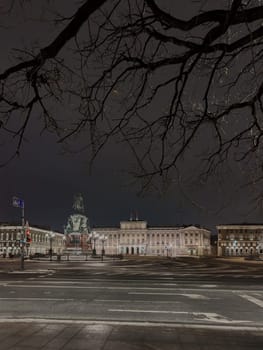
[{"x": 169, "y": 87}]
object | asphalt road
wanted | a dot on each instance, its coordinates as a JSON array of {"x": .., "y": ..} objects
[{"x": 204, "y": 295}]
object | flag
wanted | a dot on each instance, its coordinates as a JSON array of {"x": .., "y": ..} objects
[{"x": 18, "y": 203}]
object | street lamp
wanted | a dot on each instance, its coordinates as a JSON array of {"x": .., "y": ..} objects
[
  {"x": 103, "y": 239},
  {"x": 50, "y": 236},
  {"x": 20, "y": 203},
  {"x": 94, "y": 236},
  {"x": 168, "y": 248}
]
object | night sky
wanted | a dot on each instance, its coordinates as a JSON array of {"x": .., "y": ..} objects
[{"x": 47, "y": 178}]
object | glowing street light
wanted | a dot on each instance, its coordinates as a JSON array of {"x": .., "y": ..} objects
[
  {"x": 50, "y": 236},
  {"x": 103, "y": 239},
  {"x": 94, "y": 236}
]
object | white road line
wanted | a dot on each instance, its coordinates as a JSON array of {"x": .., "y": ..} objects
[
  {"x": 190, "y": 296},
  {"x": 151, "y": 293},
  {"x": 204, "y": 316},
  {"x": 149, "y": 311},
  {"x": 209, "y": 285},
  {"x": 252, "y": 299},
  {"x": 38, "y": 299},
  {"x": 195, "y": 296},
  {"x": 79, "y": 287},
  {"x": 102, "y": 280},
  {"x": 183, "y": 289},
  {"x": 134, "y": 301},
  {"x": 199, "y": 316}
]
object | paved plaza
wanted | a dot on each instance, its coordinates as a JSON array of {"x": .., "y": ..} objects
[
  {"x": 131, "y": 304},
  {"x": 82, "y": 336}
]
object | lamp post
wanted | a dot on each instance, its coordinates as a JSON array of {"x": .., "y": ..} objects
[
  {"x": 50, "y": 236},
  {"x": 94, "y": 236},
  {"x": 103, "y": 240},
  {"x": 20, "y": 203},
  {"x": 168, "y": 248}
]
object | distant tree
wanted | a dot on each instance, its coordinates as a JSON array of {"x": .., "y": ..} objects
[{"x": 170, "y": 81}]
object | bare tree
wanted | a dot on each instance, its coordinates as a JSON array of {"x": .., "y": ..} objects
[{"x": 171, "y": 85}]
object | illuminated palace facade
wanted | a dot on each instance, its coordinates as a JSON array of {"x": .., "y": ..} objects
[
  {"x": 240, "y": 240},
  {"x": 135, "y": 237},
  {"x": 132, "y": 237},
  {"x": 37, "y": 240}
]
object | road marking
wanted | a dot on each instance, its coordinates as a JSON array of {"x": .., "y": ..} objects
[
  {"x": 252, "y": 299},
  {"x": 79, "y": 287},
  {"x": 190, "y": 296},
  {"x": 208, "y": 285},
  {"x": 38, "y": 299},
  {"x": 195, "y": 296},
  {"x": 134, "y": 301},
  {"x": 200, "y": 316},
  {"x": 198, "y": 288},
  {"x": 103, "y": 280}
]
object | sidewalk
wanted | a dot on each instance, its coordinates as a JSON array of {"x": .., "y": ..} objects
[{"x": 62, "y": 335}]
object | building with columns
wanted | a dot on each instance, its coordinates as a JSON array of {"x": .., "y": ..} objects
[
  {"x": 36, "y": 240},
  {"x": 240, "y": 240},
  {"x": 135, "y": 237},
  {"x": 132, "y": 237}
]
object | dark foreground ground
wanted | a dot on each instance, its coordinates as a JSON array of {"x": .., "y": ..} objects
[
  {"x": 99, "y": 336},
  {"x": 92, "y": 305}
]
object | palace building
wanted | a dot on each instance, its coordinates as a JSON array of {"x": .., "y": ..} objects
[
  {"x": 240, "y": 240},
  {"x": 135, "y": 237},
  {"x": 35, "y": 240},
  {"x": 131, "y": 237}
]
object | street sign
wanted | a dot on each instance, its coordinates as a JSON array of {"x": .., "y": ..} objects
[{"x": 18, "y": 203}]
